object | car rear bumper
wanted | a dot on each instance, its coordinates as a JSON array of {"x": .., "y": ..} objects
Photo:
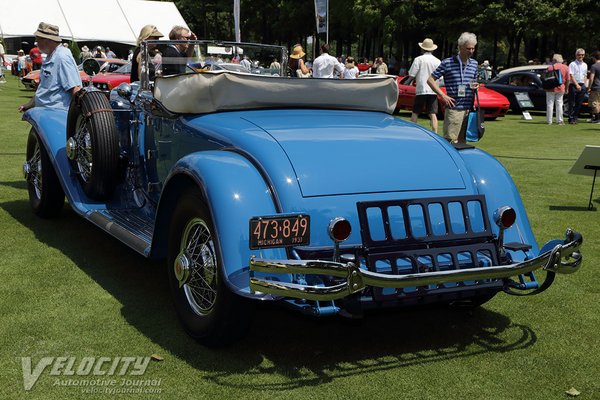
[{"x": 563, "y": 258}]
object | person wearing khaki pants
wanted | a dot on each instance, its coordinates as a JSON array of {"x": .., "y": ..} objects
[{"x": 460, "y": 77}]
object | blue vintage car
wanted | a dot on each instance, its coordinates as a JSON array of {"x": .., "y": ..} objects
[{"x": 308, "y": 192}]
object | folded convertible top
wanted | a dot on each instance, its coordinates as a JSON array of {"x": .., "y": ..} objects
[{"x": 212, "y": 91}]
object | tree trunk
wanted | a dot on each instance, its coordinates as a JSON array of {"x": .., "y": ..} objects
[
  {"x": 495, "y": 51},
  {"x": 510, "y": 50}
]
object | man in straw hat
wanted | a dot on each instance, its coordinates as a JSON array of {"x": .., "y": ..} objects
[
  {"x": 85, "y": 54},
  {"x": 59, "y": 77},
  {"x": 420, "y": 70}
]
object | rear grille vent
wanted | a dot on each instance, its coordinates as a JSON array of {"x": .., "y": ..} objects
[{"x": 425, "y": 235}]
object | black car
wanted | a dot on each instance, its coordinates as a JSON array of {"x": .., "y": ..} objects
[{"x": 525, "y": 79}]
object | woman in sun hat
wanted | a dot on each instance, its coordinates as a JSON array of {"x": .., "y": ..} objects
[
  {"x": 296, "y": 63},
  {"x": 148, "y": 32}
]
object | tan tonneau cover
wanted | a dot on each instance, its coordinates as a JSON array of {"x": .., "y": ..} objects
[{"x": 208, "y": 92}]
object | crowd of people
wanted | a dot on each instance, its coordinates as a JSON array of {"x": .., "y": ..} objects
[
  {"x": 330, "y": 67},
  {"x": 461, "y": 74}
]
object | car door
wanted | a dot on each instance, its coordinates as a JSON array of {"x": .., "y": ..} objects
[
  {"x": 525, "y": 82},
  {"x": 537, "y": 93}
]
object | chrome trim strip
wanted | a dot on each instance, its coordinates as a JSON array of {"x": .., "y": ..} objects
[{"x": 357, "y": 279}]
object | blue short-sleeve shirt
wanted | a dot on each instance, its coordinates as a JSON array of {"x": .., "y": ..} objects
[
  {"x": 58, "y": 75},
  {"x": 450, "y": 70}
]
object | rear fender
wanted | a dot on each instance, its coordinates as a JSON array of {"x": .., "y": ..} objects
[
  {"x": 234, "y": 191},
  {"x": 493, "y": 181}
]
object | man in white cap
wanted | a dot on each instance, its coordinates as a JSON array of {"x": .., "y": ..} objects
[
  {"x": 59, "y": 77},
  {"x": 425, "y": 97}
]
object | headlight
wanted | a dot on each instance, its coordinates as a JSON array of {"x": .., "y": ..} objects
[{"x": 101, "y": 85}]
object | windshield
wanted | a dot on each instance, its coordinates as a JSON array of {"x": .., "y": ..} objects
[
  {"x": 125, "y": 69},
  {"x": 165, "y": 57}
]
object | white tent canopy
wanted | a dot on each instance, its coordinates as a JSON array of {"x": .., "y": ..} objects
[{"x": 87, "y": 20}]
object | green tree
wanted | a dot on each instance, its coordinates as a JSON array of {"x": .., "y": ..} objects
[{"x": 509, "y": 31}]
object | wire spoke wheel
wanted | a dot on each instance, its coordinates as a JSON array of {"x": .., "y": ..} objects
[
  {"x": 83, "y": 160},
  {"x": 35, "y": 174},
  {"x": 46, "y": 195},
  {"x": 208, "y": 309},
  {"x": 201, "y": 288}
]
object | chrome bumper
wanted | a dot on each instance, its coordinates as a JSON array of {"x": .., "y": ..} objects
[{"x": 563, "y": 258}]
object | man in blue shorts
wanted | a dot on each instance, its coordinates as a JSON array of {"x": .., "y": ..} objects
[
  {"x": 460, "y": 78},
  {"x": 59, "y": 77}
]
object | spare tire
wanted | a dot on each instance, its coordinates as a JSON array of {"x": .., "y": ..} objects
[{"x": 93, "y": 144}]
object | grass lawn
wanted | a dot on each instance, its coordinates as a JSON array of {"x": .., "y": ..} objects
[{"x": 69, "y": 290}]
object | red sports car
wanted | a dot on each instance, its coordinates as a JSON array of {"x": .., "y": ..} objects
[
  {"x": 32, "y": 79},
  {"x": 106, "y": 81},
  {"x": 493, "y": 103}
]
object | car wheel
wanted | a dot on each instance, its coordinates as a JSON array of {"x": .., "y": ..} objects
[
  {"x": 208, "y": 310},
  {"x": 46, "y": 195},
  {"x": 92, "y": 144}
]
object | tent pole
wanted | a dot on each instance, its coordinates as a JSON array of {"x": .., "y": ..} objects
[
  {"x": 66, "y": 21},
  {"x": 128, "y": 23}
]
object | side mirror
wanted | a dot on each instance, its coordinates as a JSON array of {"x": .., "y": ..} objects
[{"x": 91, "y": 67}]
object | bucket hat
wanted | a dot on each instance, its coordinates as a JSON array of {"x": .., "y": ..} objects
[
  {"x": 48, "y": 31},
  {"x": 428, "y": 45},
  {"x": 147, "y": 32}
]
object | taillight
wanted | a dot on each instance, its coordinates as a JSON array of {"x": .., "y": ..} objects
[
  {"x": 339, "y": 229},
  {"x": 505, "y": 217}
]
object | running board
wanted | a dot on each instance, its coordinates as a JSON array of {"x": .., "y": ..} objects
[{"x": 130, "y": 226}]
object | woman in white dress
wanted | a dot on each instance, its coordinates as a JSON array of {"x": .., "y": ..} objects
[{"x": 350, "y": 69}]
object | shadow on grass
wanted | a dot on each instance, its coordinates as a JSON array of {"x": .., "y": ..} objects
[
  {"x": 570, "y": 208},
  {"x": 283, "y": 350},
  {"x": 534, "y": 158},
  {"x": 22, "y": 184}
]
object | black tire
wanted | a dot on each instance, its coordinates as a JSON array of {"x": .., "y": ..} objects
[
  {"x": 216, "y": 316},
  {"x": 93, "y": 144},
  {"x": 46, "y": 195}
]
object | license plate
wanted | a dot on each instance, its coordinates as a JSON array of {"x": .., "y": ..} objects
[{"x": 279, "y": 231}]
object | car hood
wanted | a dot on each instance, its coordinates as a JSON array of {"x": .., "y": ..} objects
[
  {"x": 110, "y": 76},
  {"x": 341, "y": 152}
]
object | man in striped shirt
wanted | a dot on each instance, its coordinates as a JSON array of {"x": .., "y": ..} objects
[{"x": 460, "y": 78}]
